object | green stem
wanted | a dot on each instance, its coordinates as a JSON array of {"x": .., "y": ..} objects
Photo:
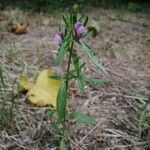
[
  {"x": 68, "y": 68},
  {"x": 67, "y": 74}
]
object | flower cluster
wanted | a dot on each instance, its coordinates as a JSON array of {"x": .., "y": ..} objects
[
  {"x": 57, "y": 39},
  {"x": 79, "y": 29}
]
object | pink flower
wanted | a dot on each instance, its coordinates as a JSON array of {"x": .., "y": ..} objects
[
  {"x": 80, "y": 29},
  {"x": 57, "y": 38}
]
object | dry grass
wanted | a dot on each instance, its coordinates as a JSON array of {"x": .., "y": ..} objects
[{"x": 123, "y": 46}]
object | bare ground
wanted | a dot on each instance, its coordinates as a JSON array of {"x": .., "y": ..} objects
[{"x": 123, "y": 46}]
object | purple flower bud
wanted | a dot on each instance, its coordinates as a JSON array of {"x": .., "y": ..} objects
[
  {"x": 57, "y": 38},
  {"x": 78, "y": 24},
  {"x": 80, "y": 29}
]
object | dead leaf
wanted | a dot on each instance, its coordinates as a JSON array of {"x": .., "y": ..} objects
[
  {"x": 17, "y": 28},
  {"x": 44, "y": 91},
  {"x": 24, "y": 83},
  {"x": 21, "y": 28}
]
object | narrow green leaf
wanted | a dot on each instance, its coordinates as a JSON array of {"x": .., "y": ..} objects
[
  {"x": 82, "y": 65},
  {"x": 56, "y": 77},
  {"x": 92, "y": 56},
  {"x": 63, "y": 49},
  {"x": 66, "y": 19},
  {"x": 75, "y": 59},
  {"x": 83, "y": 118},
  {"x": 93, "y": 30},
  {"x": 80, "y": 83},
  {"x": 88, "y": 34},
  {"x": 61, "y": 102},
  {"x": 84, "y": 20},
  {"x": 72, "y": 74},
  {"x": 95, "y": 80},
  {"x": 71, "y": 19},
  {"x": 74, "y": 17},
  {"x": 63, "y": 144},
  {"x": 78, "y": 68}
]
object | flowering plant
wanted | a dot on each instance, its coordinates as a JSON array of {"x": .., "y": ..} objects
[{"x": 74, "y": 31}]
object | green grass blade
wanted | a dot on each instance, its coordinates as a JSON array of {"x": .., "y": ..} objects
[{"x": 83, "y": 118}]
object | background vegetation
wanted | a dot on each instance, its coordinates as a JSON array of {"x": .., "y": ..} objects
[{"x": 47, "y": 5}]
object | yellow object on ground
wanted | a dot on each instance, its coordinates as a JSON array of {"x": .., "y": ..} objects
[
  {"x": 17, "y": 28},
  {"x": 24, "y": 83},
  {"x": 44, "y": 91}
]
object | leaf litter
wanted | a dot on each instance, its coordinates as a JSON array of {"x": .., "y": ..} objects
[{"x": 115, "y": 105}]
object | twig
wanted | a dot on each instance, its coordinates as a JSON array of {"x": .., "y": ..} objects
[
  {"x": 76, "y": 145},
  {"x": 142, "y": 99},
  {"x": 89, "y": 132},
  {"x": 126, "y": 146}
]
